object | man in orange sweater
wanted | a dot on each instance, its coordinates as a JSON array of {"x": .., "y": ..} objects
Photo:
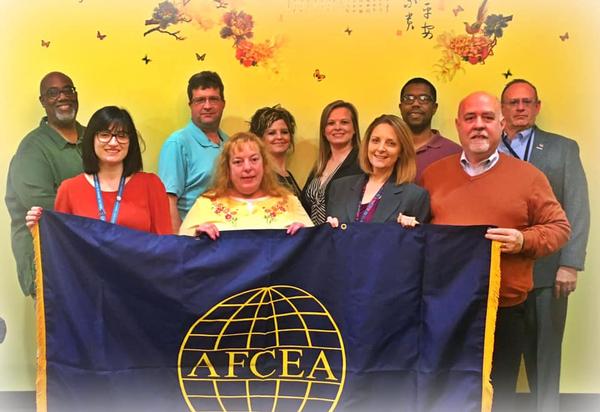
[{"x": 482, "y": 187}]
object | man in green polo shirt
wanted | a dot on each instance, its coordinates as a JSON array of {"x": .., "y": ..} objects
[{"x": 46, "y": 156}]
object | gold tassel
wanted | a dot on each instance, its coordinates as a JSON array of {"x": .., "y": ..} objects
[
  {"x": 40, "y": 383},
  {"x": 487, "y": 394}
]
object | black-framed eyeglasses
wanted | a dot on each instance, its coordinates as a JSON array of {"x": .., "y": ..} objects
[
  {"x": 105, "y": 136},
  {"x": 54, "y": 92},
  {"x": 421, "y": 98}
]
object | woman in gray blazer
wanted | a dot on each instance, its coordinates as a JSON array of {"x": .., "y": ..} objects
[{"x": 384, "y": 192}]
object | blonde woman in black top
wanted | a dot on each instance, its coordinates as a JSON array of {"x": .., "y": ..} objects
[{"x": 338, "y": 156}]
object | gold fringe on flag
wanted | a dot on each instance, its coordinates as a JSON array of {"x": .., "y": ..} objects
[
  {"x": 40, "y": 314},
  {"x": 487, "y": 394}
]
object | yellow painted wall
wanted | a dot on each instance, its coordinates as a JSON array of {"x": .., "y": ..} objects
[{"x": 367, "y": 67}]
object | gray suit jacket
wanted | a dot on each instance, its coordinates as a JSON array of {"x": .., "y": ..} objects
[
  {"x": 345, "y": 195},
  {"x": 558, "y": 157}
]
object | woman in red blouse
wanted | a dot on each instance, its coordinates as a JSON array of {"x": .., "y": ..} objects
[{"x": 113, "y": 187}]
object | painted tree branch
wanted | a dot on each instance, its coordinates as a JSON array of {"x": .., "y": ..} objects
[{"x": 158, "y": 29}]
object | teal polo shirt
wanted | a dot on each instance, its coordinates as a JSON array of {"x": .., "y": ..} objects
[{"x": 186, "y": 164}]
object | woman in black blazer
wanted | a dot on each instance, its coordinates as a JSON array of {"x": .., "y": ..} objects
[{"x": 384, "y": 192}]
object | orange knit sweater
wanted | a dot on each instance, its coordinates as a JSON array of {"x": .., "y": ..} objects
[{"x": 512, "y": 194}]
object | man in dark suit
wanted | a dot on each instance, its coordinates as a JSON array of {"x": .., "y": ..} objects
[{"x": 555, "y": 276}]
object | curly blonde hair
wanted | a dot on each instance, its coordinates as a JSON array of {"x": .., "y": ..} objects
[{"x": 222, "y": 178}]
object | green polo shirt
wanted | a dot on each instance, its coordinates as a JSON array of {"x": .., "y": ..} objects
[{"x": 43, "y": 160}]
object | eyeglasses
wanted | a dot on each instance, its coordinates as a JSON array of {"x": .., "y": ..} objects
[
  {"x": 411, "y": 98},
  {"x": 106, "y": 136},
  {"x": 203, "y": 100},
  {"x": 515, "y": 102},
  {"x": 54, "y": 92}
]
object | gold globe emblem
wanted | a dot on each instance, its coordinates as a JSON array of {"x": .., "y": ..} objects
[{"x": 275, "y": 348}]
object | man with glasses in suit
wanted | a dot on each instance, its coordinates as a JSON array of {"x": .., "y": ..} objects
[
  {"x": 48, "y": 155},
  {"x": 555, "y": 276}
]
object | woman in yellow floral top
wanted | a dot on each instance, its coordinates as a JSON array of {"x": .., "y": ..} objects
[{"x": 245, "y": 194}]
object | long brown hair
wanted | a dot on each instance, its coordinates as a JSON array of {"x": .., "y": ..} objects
[
  {"x": 324, "y": 146},
  {"x": 222, "y": 178},
  {"x": 406, "y": 165}
]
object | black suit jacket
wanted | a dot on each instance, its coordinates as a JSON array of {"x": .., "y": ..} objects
[
  {"x": 558, "y": 158},
  {"x": 345, "y": 195}
]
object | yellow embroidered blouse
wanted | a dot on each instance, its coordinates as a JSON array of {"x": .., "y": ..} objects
[{"x": 229, "y": 213}]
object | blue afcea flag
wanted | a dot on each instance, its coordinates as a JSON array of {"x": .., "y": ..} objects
[{"x": 367, "y": 317}]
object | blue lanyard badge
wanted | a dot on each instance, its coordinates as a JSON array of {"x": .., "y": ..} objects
[
  {"x": 527, "y": 152},
  {"x": 100, "y": 202}
]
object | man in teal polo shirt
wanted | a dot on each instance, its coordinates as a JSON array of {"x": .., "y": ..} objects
[
  {"x": 46, "y": 156},
  {"x": 187, "y": 157}
]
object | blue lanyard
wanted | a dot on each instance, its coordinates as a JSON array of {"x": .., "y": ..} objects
[
  {"x": 360, "y": 217},
  {"x": 526, "y": 154},
  {"x": 100, "y": 202}
]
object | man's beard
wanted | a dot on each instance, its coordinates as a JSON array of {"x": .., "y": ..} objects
[
  {"x": 66, "y": 117},
  {"x": 419, "y": 128}
]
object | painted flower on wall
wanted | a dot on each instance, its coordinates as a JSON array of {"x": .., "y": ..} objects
[
  {"x": 473, "y": 47},
  {"x": 251, "y": 54},
  {"x": 164, "y": 15},
  {"x": 239, "y": 26}
]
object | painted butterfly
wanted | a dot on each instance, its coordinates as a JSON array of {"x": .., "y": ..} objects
[{"x": 318, "y": 75}]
